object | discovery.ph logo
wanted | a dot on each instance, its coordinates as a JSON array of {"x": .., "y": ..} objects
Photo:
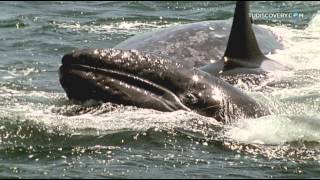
[{"x": 276, "y": 15}]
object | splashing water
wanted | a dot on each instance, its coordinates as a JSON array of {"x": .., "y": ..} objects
[{"x": 296, "y": 101}]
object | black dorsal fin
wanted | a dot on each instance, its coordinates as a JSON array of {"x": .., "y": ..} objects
[{"x": 242, "y": 49}]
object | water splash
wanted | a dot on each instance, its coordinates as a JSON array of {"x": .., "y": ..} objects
[
  {"x": 276, "y": 129},
  {"x": 297, "y": 118}
]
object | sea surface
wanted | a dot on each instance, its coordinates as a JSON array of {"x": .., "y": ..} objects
[{"x": 45, "y": 135}]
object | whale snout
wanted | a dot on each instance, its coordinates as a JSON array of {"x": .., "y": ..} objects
[{"x": 115, "y": 76}]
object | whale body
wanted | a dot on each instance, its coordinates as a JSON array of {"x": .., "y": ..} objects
[{"x": 149, "y": 72}]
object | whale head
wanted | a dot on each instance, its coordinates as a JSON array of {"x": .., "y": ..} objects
[{"x": 131, "y": 77}]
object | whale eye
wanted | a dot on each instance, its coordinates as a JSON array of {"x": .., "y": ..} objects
[{"x": 191, "y": 98}]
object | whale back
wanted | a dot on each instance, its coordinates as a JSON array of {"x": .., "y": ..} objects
[{"x": 195, "y": 44}]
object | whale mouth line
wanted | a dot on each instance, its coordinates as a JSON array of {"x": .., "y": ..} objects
[
  {"x": 122, "y": 76},
  {"x": 116, "y": 80}
]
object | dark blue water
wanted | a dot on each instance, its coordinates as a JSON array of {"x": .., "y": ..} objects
[{"x": 44, "y": 135}]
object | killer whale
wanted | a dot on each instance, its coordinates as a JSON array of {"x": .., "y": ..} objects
[
  {"x": 242, "y": 54},
  {"x": 148, "y": 80}
]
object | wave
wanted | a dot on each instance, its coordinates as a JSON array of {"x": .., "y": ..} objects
[{"x": 126, "y": 27}]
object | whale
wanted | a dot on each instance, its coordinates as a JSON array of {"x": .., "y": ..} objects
[
  {"x": 208, "y": 45},
  {"x": 144, "y": 78},
  {"x": 135, "y": 78}
]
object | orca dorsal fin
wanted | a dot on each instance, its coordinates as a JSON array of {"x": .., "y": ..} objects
[{"x": 242, "y": 49}]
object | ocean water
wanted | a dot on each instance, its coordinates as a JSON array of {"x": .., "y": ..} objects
[{"x": 45, "y": 135}]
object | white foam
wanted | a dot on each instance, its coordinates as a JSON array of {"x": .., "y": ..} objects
[
  {"x": 41, "y": 107},
  {"x": 135, "y": 120},
  {"x": 275, "y": 129},
  {"x": 314, "y": 25},
  {"x": 301, "y": 49}
]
